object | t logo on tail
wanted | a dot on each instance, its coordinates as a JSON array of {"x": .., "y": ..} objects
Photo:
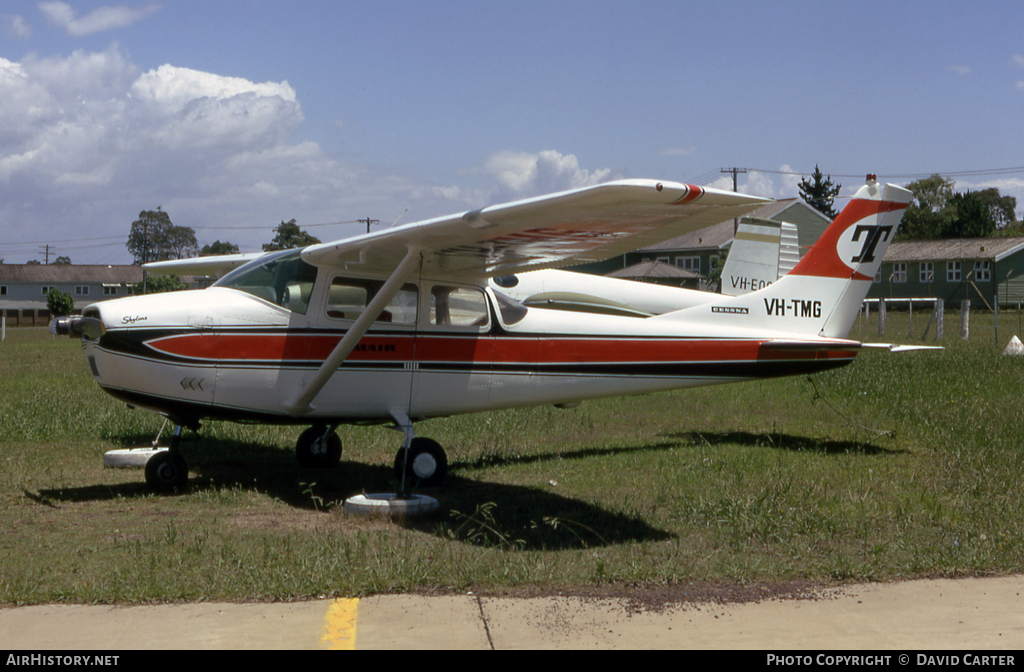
[{"x": 867, "y": 252}]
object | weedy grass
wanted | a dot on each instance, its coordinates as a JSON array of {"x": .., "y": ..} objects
[{"x": 898, "y": 466}]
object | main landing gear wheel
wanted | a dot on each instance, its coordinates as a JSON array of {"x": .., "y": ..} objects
[
  {"x": 318, "y": 448},
  {"x": 427, "y": 463},
  {"x": 167, "y": 471}
]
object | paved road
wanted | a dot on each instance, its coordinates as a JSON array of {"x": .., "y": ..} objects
[{"x": 971, "y": 614}]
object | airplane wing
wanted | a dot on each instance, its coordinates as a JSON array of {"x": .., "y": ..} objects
[
  {"x": 571, "y": 227},
  {"x": 213, "y": 266}
]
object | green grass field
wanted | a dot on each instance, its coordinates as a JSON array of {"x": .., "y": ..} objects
[{"x": 898, "y": 466}]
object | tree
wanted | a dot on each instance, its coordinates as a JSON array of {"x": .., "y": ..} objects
[
  {"x": 217, "y": 248},
  {"x": 821, "y": 193},
  {"x": 289, "y": 235},
  {"x": 161, "y": 283},
  {"x": 1002, "y": 208},
  {"x": 59, "y": 303},
  {"x": 969, "y": 217},
  {"x": 154, "y": 238},
  {"x": 62, "y": 261},
  {"x": 937, "y": 211}
]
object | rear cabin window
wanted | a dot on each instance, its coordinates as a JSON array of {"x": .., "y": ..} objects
[{"x": 349, "y": 297}]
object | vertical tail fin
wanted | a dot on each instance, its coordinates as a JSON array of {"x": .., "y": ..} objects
[
  {"x": 823, "y": 293},
  {"x": 834, "y": 276}
]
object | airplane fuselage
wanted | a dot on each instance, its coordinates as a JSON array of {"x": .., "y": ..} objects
[{"x": 234, "y": 352}]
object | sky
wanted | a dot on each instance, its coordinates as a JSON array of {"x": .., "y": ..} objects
[{"x": 234, "y": 116}]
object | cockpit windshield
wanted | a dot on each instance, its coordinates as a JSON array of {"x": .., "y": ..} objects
[{"x": 282, "y": 278}]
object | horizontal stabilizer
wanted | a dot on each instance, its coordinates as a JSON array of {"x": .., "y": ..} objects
[
  {"x": 895, "y": 347},
  {"x": 841, "y": 344},
  {"x": 207, "y": 266}
]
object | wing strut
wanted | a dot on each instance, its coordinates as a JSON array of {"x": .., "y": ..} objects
[{"x": 300, "y": 405}]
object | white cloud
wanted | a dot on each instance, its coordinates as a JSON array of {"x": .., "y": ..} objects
[
  {"x": 524, "y": 174},
  {"x": 175, "y": 87},
  {"x": 1018, "y": 61},
  {"x": 63, "y": 15},
  {"x": 959, "y": 69},
  {"x": 89, "y": 140},
  {"x": 16, "y": 27}
]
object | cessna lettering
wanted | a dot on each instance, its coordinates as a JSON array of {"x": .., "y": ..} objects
[{"x": 792, "y": 308}]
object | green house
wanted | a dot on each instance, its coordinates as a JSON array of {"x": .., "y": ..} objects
[{"x": 983, "y": 270}]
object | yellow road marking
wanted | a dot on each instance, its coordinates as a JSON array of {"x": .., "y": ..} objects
[{"x": 339, "y": 633}]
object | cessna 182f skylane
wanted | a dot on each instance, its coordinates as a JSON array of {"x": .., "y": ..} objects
[{"x": 400, "y": 325}]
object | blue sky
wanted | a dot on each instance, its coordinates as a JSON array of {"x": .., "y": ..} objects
[{"x": 236, "y": 115}]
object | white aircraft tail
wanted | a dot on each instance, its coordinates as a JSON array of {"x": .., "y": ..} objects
[
  {"x": 762, "y": 252},
  {"x": 823, "y": 293}
]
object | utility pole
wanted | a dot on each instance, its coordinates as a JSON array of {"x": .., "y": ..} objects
[
  {"x": 368, "y": 221},
  {"x": 734, "y": 171},
  {"x": 46, "y": 253}
]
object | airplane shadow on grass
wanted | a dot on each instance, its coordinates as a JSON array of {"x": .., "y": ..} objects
[
  {"x": 780, "y": 441},
  {"x": 472, "y": 511}
]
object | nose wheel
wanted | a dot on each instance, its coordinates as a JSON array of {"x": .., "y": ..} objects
[
  {"x": 318, "y": 448},
  {"x": 167, "y": 470}
]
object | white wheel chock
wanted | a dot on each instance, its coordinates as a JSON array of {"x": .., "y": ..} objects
[
  {"x": 390, "y": 504},
  {"x": 129, "y": 458}
]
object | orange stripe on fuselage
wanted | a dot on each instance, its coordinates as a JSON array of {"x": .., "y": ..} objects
[{"x": 476, "y": 350}]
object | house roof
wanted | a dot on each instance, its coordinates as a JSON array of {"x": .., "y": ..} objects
[
  {"x": 652, "y": 269},
  {"x": 721, "y": 234},
  {"x": 995, "y": 249},
  {"x": 69, "y": 273}
]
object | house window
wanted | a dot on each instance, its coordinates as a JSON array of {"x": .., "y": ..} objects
[
  {"x": 927, "y": 272},
  {"x": 952, "y": 271},
  {"x": 899, "y": 272},
  {"x": 109, "y": 290},
  {"x": 82, "y": 290},
  {"x": 982, "y": 271},
  {"x": 46, "y": 290},
  {"x": 689, "y": 263},
  {"x": 3, "y": 290}
]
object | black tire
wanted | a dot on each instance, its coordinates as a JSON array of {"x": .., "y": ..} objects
[
  {"x": 428, "y": 463},
  {"x": 167, "y": 471},
  {"x": 314, "y": 451}
]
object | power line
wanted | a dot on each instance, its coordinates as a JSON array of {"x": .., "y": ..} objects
[{"x": 952, "y": 173}]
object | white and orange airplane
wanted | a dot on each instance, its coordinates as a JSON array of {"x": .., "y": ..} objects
[{"x": 405, "y": 324}]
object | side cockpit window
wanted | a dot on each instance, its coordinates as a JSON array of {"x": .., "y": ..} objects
[
  {"x": 283, "y": 279},
  {"x": 458, "y": 307},
  {"x": 348, "y": 298}
]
